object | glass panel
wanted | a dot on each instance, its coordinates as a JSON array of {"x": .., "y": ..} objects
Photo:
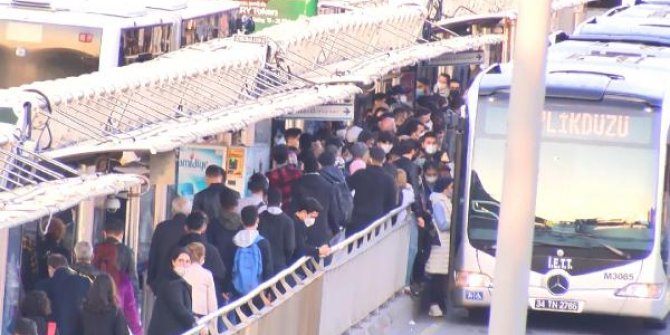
[
  {"x": 205, "y": 28},
  {"x": 7, "y": 115},
  {"x": 33, "y": 51},
  {"x": 596, "y": 182},
  {"x": 13, "y": 277}
]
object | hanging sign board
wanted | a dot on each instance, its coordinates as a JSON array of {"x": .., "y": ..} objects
[{"x": 330, "y": 112}]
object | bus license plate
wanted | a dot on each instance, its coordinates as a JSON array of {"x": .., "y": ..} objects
[{"x": 557, "y": 305}]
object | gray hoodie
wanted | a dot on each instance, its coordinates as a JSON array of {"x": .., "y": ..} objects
[{"x": 245, "y": 237}]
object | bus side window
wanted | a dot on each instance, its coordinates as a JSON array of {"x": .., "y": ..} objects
[
  {"x": 665, "y": 216},
  {"x": 144, "y": 43}
]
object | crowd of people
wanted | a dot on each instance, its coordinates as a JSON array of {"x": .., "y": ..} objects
[{"x": 324, "y": 185}]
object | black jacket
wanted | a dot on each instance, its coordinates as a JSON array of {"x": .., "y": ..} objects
[
  {"x": 165, "y": 239},
  {"x": 375, "y": 195},
  {"x": 111, "y": 322},
  {"x": 220, "y": 234},
  {"x": 279, "y": 231},
  {"x": 125, "y": 262},
  {"x": 172, "y": 314},
  {"x": 315, "y": 186},
  {"x": 413, "y": 177},
  {"x": 213, "y": 261},
  {"x": 304, "y": 246},
  {"x": 66, "y": 291},
  {"x": 208, "y": 200}
]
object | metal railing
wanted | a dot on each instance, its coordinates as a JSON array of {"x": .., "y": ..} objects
[{"x": 308, "y": 290}]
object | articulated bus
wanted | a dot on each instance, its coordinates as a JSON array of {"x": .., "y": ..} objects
[
  {"x": 603, "y": 194},
  {"x": 43, "y": 40}
]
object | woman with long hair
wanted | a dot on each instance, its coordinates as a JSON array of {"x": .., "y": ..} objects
[{"x": 100, "y": 313}]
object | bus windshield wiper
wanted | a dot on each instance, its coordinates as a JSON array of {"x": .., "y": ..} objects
[{"x": 603, "y": 244}]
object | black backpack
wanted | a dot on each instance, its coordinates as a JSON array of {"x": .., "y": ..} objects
[{"x": 344, "y": 200}]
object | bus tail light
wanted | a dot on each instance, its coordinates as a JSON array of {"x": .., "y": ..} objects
[
  {"x": 472, "y": 279},
  {"x": 85, "y": 37},
  {"x": 641, "y": 290}
]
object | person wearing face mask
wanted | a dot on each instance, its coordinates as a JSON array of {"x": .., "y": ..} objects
[
  {"x": 442, "y": 85},
  {"x": 431, "y": 149},
  {"x": 172, "y": 314},
  {"x": 423, "y": 115},
  {"x": 421, "y": 87},
  {"x": 430, "y": 177},
  {"x": 305, "y": 215},
  {"x": 414, "y": 129},
  {"x": 385, "y": 141},
  {"x": 455, "y": 97},
  {"x": 437, "y": 266}
]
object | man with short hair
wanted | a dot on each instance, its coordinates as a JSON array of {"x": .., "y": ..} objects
[
  {"x": 306, "y": 213},
  {"x": 375, "y": 193},
  {"x": 442, "y": 85},
  {"x": 208, "y": 199},
  {"x": 407, "y": 150},
  {"x": 165, "y": 238},
  {"x": 283, "y": 175},
  {"x": 66, "y": 291},
  {"x": 83, "y": 255},
  {"x": 196, "y": 226},
  {"x": 249, "y": 237},
  {"x": 113, "y": 231},
  {"x": 258, "y": 186},
  {"x": 292, "y": 137}
]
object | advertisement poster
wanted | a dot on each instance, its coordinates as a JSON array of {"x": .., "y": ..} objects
[
  {"x": 236, "y": 161},
  {"x": 193, "y": 160},
  {"x": 245, "y": 161},
  {"x": 271, "y": 12}
]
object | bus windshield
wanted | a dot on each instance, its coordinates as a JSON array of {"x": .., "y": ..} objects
[{"x": 597, "y": 175}]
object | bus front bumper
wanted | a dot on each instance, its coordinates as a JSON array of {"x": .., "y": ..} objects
[{"x": 591, "y": 301}]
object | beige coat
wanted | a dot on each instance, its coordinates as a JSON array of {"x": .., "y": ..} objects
[{"x": 438, "y": 262}]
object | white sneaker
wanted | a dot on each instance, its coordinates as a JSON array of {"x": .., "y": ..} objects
[{"x": 435, "y": 311}]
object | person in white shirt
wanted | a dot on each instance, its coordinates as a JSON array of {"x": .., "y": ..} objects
[
  {"x": 258, "y": 186},
  {"x": 201, "y": 280}
]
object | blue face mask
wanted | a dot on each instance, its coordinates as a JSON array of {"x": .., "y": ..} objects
[{"x": 419, "y": 93}]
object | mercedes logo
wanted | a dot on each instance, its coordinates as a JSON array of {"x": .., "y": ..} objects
[{"x": 558, "y": 284}]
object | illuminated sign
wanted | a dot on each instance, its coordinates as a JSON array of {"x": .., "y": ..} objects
[
  {"x": 586, "y": 124},
  {"x": 590, "y": 124}
]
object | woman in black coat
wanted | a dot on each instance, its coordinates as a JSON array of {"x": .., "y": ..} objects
[
  {"x": 100, "y": 314},
  {"x": 172, "y": 313}
]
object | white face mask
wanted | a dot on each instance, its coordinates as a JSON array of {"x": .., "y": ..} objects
[
  {"x": 431, "y": 179},
  {"x": 309, "y": 221},
  {"x": 431, "y": 149},
  {"x": 386, "y": 147},
  {"x": 181, "y": 271},
  {"x": 429, "y": 125}
]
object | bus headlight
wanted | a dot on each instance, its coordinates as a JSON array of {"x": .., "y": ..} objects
[
  {"x": 472, "y": 279},
  {"x": 640, "y": 290}
]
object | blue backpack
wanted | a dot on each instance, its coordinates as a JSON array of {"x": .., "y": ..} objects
[{"x": 248, "y": 268}]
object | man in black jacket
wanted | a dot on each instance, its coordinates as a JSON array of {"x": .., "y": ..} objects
[
  {"x": 279, "y": 229},
  {"x": 313, "y": 185},
  {"x": 407, "y": 149},
  {"x": 208, "y": 200},
  {"x": 375, "y": 193},
  {"x": 306, "y": 214},
  {"x": 66, "y": 290},
  {"x": 196, "y": 225},
  {"x": 165, "y": 238}
]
